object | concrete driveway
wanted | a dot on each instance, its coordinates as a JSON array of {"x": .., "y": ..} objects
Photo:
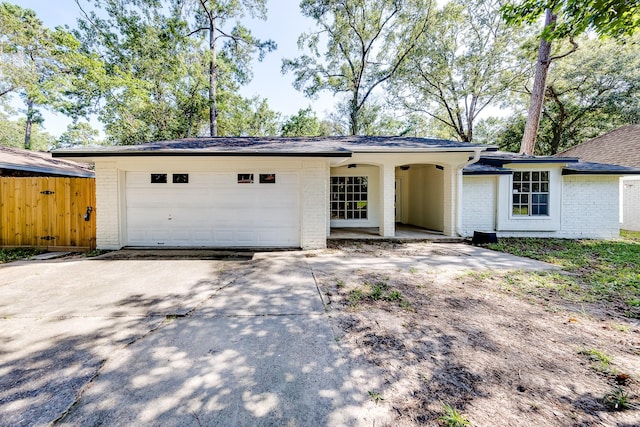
[{"x": 186, "y": 342}]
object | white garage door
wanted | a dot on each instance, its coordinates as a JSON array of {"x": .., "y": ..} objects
[{"x": 212, "y": 209}]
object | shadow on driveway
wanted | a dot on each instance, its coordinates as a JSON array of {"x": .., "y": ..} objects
[{"x": 95, "y": 342}]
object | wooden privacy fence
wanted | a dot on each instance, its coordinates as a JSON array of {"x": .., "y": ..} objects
[{"x": 50, "y": 213}]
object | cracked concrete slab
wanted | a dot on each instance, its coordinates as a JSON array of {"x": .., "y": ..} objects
[
  {"x": 195, "y": 342},
  {"x": 242, "y": 343},
  {"x": 59, "y": 321}
]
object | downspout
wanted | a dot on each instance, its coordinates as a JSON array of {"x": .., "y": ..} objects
[{"x": 472, "y": 160}]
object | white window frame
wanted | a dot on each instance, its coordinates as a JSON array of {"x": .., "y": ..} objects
[
  {"x": 531, "y": 185},
  {"x": 507, "y": 221},
  {"x": 351, "y": 198}
]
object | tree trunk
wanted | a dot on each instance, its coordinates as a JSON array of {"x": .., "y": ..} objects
[
  {"x": 28, "y": 125},
  {"x": 353, "y": 115},
  {"x": 213, "y": 78},
  {"x": 528, "y": 144}
]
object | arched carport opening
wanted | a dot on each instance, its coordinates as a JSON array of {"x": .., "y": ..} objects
[{"x": 420, "y": 196}]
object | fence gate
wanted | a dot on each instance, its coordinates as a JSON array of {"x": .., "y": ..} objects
[{"x": 51, "y": 213}]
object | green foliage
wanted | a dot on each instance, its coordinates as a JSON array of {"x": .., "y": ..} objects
[
  {"x": 452, "y": 417},
  {"x": 304, "y": 123},
  {"x": 589, "y": 93},
  {"x": 9, "y": 255},
  {"x": 376, "y": 396},
  {"x": 606, "y": 18},
  {"x": 41, "y": 65},
  {"x": 79, "y": 134},
  {"x": 366, "y": 42},
  {"x": 617, "y": 400},
  {"x": 467, "y": 60},
  {"x": 603, "y": 362},
  {"x": 158, "y": 63},
  {"x": 248, "y": 117},
  {"x": 12, "y": 134},
  {"x": 156, "y": 84},
  {"x": 355, "y": 297},
  {"x": 630, "y": 235}
]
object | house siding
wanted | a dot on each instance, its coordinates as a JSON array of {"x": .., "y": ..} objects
[
  {"x": 478, "y": 204},
  {"x": 107, "y": 206},
  {"x": 313, "y": 177},
  {"x": 589, "y": 208},
  {"x": 314, "y": 197},
  {"x": 631, "y": 204}
]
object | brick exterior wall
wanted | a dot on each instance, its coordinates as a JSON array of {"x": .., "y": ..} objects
[
  {"x": 387, "y": 196},
  {"x": 478, "y": 204},
  {"x": 631, "y": 204},
  {"x": 590, "y": 208},
  {"x": 314, "y": 200},
  {"x": 107, "y": 206}
]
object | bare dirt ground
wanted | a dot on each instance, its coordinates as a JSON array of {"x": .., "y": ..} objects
[{"x": 504, "y": 355}]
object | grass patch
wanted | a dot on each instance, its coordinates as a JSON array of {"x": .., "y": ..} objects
[
  {"x": 377, "y": 291},
  {"x": 8, "y": 255},
  {"x": 355, "y": 296},
  {"x": 95, "y": 252},
  {"x": 452, "y": 417},
  {"x": 376, "y": 396},
  {"x": 602, "y": 362},
  {"x": 608, "y": 270},
  {"x": 630, "y": 235},
  {"x": 616, "y": 400}
]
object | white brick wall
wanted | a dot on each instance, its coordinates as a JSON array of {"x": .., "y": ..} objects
[
  {"x": 314, "y": 200},
  {"x": 478, "y": 204},
  {"x": 387, "y": 198},
  {"x": 590, "y": 208},
  {"x": 313, "y": 196},
  {"x": 107, "y": 206},
  {"x": 631, "y": 204}
]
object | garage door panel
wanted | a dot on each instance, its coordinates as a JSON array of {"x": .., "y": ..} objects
[{"x": 212, "y": 210}]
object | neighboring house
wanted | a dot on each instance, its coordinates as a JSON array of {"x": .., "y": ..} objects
[
  {"x": 16, "y": 162},
  {"x": 290, "y": 192},
  {"x": 619, "y": 147}
]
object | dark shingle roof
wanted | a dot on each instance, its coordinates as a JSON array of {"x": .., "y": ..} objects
[
  {"x": 492, "y": 164},
  {"x": 619, "y": 147},
  {"x": 264, "y": 146},
  {"x": 25, "y": 161},
  {"x": 590, "y": 168},
  {"x": 501, "y": 158},
  {"x": 482, "y": 169}
]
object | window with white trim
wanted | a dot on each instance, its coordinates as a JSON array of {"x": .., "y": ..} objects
[
  {"x": 349, "y": 196},
  {"x": 530, "y": 193}
]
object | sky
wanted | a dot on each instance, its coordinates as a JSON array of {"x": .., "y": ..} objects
[{"x": 284, "y": 25}]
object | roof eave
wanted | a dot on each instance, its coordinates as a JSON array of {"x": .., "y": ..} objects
[
  {"x": 48, "y": 171},
  {"x": 191, "y": 153},
  {"x": 593, "y": 172}
]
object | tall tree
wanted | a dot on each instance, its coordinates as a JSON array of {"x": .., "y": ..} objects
[
  {"x": 240, "y": 44},
  {"x": 78, "y": 134},
  {"x": 160, "y": 82},
  {"x": 367, "y": 42},
  {"x": 303, "y": 123},
  {"x": 12, "y": 134},
  {"x": 248, "y": 117},
  {"x": 466, "y": 61},
  {"x": 566, "y": 19},
  {"x": 39, "y": 64},
  {"x": 590, "y": 93},
  {"x": 155, "y": 85}
]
